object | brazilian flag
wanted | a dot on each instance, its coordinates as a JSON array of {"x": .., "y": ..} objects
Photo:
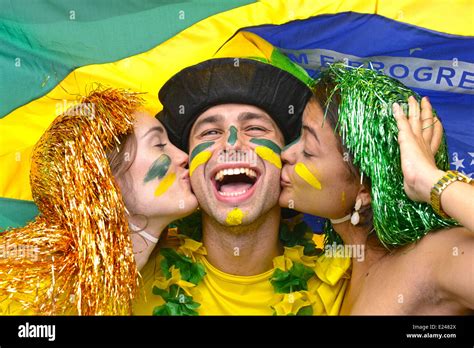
[{"x": 52, "y": 51}]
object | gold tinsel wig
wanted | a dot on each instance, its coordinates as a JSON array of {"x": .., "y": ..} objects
[{"x": 82, "y": 261}]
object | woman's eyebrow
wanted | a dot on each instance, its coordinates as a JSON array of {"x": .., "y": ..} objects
[
  {"x": 158, "y": 129},
  {"x": 311, "y": 131}
]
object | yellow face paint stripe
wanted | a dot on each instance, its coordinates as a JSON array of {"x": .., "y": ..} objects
[
  {"x": 234, "y": 217},
  {"x": 307, "y": 176},
  {"x": 268, "y": 155},
  {"x": 199, "y": 159},
  {"x": 165, "y": 184}
]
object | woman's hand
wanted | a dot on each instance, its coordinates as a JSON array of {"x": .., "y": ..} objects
[{"x": 419, "y": 136}]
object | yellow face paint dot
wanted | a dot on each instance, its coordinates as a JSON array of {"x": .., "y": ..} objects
[
  {"x": 268, "y": 155},
  {"x": 165, "y": 184},
  {"x": 199, "y": 159},
  {"x": 307, "y": 176},
  {"x": 234, "y": 217}
]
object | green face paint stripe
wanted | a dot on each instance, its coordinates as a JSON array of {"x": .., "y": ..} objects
[
  {"x": 200, "y": 148},
  {"x": 267, "y": 143},
  {"x": 232, "y": 135},
  {"x": 292, "y": 143},
  {"x": 159, "y": 168}
]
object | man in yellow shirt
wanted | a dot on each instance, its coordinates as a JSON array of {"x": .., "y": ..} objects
[{"x": 233, "y": 116}]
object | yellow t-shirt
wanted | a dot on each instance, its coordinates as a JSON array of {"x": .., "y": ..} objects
[{"x": 221, "y": 293}]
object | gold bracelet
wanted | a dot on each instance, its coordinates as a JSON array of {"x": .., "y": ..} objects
[{"x": 447, "y": 179}]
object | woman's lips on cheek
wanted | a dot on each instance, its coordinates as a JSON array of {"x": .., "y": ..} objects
[{"x": 285, "y": 180}]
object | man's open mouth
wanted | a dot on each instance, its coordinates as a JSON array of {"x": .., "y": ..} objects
[{"x": 235, "y": 183}]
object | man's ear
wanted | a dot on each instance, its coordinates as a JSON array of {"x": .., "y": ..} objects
[{"x": 364, "y": 196}]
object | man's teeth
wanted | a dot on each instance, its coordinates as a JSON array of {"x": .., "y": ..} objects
[
  {"x": 231, "y": 194},
  {"x": 235, "y": 171}
]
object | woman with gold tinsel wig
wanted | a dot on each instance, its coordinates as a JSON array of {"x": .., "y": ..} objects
[{"x": 83, "y": 238}]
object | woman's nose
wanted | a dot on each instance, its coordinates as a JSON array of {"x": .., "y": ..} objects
[
  {"x": 181, "y": 158},
  {"x": 288, "y": 155}
]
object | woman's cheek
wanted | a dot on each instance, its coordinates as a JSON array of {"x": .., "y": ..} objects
[
  {"x": 160, "y": 175},
  {"x": 308, "y": 176}
]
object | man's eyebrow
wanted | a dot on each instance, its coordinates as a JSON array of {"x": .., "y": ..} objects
[
  {"x": 311, "y": 131},
  {"x": 247, "y": 116},
  {"x": 208, "y": 119},
  {"x": 158, "y": 129}
]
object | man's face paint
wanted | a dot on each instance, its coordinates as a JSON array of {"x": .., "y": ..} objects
[
  {"x": 232, "y": 135},
  {"x": 234, "y": 217},
  {"x": 199, "y": 156},
  {"x": 220, "y": 192},
  {"x": 268, "y": 151},
  {"x": 159, "y": 170},
  {"x": 304, "y": 173}
]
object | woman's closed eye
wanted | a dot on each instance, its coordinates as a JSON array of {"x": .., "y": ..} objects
[
  {"x": 161, "y": 146},
  {"x": 306, "y": 154}
]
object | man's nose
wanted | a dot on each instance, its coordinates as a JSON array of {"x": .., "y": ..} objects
[{"x": 233, "y": 138}]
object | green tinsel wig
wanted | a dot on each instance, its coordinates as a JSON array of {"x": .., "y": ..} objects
[{"x": 369, "y": 131}]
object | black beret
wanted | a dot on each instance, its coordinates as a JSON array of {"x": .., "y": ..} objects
[{"x": 217, "y": 81}]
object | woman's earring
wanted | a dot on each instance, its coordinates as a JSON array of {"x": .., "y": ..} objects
[{"x": 355, "y": 218}]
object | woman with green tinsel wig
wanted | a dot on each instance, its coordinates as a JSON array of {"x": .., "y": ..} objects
[{"x": 367, "y": 167}]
